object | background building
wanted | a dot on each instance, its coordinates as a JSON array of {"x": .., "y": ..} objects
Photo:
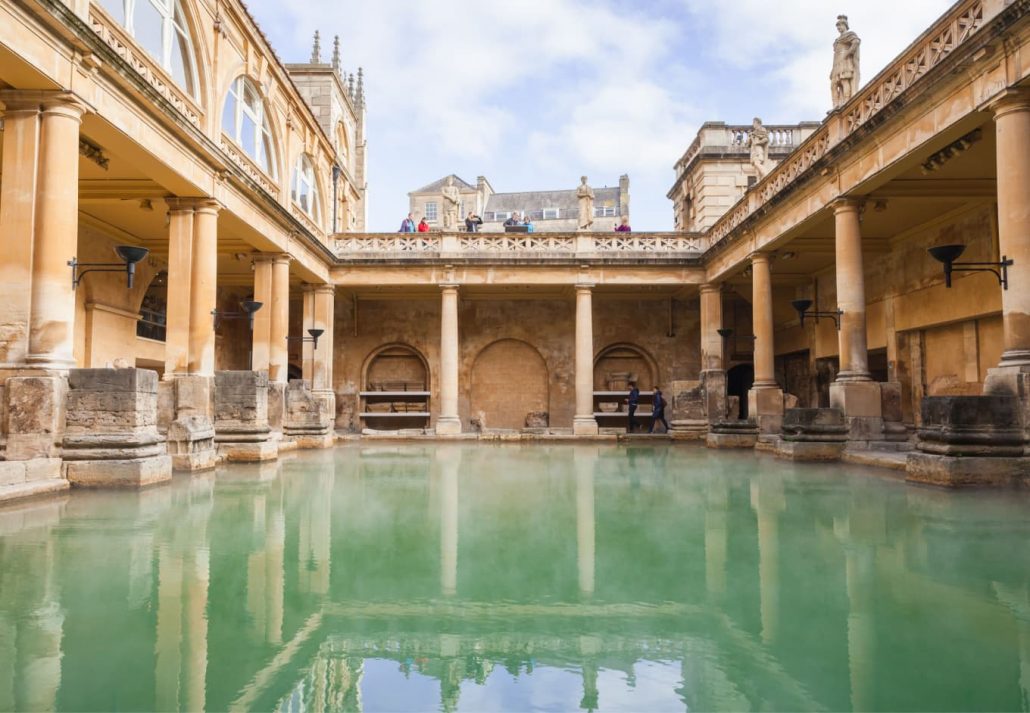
[{"x": 550, "y": 211}]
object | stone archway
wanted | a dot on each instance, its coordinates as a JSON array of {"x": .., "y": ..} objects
[
  {"x": 616, "y": 364},
  {"x": 509, "y": 382}
]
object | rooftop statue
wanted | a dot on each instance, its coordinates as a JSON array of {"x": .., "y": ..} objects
[
  {"x": 844, "y": 78},
  {"x": 451, "y": 197},
  {"x": 585, "y": 195},
  {"x": 758, "y": 138}
]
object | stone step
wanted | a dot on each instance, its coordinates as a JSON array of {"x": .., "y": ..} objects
[{"x": 16, "y": 491}]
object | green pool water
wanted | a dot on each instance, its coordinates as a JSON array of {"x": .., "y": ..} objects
[{"x": 476, "y": 577}]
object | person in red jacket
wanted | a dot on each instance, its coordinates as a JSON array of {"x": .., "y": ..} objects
[{"x": 423, "y": 226}]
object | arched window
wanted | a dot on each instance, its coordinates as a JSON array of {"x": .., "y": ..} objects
[
  {"x": 245, "y": 120},
  {"x": 160, "y": 27},
  {"x": 304, "y": 190}
]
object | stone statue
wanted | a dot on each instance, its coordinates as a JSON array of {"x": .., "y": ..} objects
[
  {"x": 758, "y": 138},
  {"x": 450, "y": 205},
  {"x": 844, "y": 75},
  {"x": 585, "y": 195}
]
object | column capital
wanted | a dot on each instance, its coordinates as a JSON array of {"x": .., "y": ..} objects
[
  {"x": 449, "y": 286},
  {"x": 585, "y": 286},
  {"x": 710, "y": 287},
  {"x": 41, "y": 100},
  {"x": 1012, "y": 100},
  {"x": 318, "y": 288},
  {"x": 847, "y": 204},
  {"x": 177, "y": 204},
  {"x": 281, "y": 258},
  {"x": 760, "y": 257}
]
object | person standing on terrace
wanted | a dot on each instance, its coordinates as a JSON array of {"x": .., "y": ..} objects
[
  {"x": 472, "y": 222},
  {"x": 623, "y": 227},
  {"x": 407, "y": 225},
  {"x": 423, "y": 226}
]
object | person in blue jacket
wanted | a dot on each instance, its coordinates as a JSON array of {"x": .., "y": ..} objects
[
  {"x": 658, "y": 410},
  {"x": 407, "y": 225}
]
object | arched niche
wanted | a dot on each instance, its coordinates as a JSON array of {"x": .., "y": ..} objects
[
  {"x": 617, "y": 364},
  {"x": 395, "y": 388},
  {"x": 509, "y": 382}
]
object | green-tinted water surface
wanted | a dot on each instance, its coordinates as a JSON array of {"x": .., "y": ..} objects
[{"x": 476, "y": 577}]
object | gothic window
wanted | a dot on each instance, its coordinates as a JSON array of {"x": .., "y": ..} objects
[
  {"x": 304, "y": 190},
  {"x": 160, "y": 27},
  {"x": 244, "y": 119}
]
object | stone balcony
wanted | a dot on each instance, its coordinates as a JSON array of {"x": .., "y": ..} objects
[{"x": 521, "y": 248}]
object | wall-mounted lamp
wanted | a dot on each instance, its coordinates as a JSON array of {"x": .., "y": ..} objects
[
  {"x": 247, "y": 310},
  {"x": 948, "y": 254},
  {"x": 313, "y": 335},
  {"x": 129, "y": 255},
  {"x": 802, "y": 306}
]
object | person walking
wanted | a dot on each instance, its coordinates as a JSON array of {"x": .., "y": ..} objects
[
  {"x": 423, "y": 226},
  {"x": 658, "y": 410},
  {"x": 407, "y": 225},
  {"x": 472, "y": 222},
  {"x": 633, "y": 401}
]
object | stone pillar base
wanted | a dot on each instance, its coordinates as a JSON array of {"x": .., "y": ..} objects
[
  {"x": 585, "y": 426},
  {"x": 111, "y": 438},
  {"x": 277, "y": 406},
  {"x": 732, "y": 434},
  {"x": 1011, "y": 381},
  {"x": 688, "y": 429},
  {"x": 958, "y": 471},
  {"x": 448, "y": 426},
  {"x": 307, "y": 423},
  {"x": 191, "y": 433},
  {"x": 240, "y": 451},
  {"x": 812, "y": 434},
  {"x": 861, "y": 404},
  {"x": 131, "y": 473},
  {"x": 765, "y": 408},
  {"x": 242, "y": 433},
  {"x": 314, "y": 441}
]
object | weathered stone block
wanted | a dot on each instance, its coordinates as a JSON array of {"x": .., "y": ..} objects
[
  {"x": 242, "y": 432},
  {"x": 111, "y": 438},
  {"x": 812, "y": 434},
  {"x": 715, "y": 400},
  {"x": 688, "y": 429},
  {"x": 35, "y": 416},
  {"x": 972, "y": 426},
  {"x": 732, "y": 434},
  {"x": 687, "y": 402},
  {"x": 765, "y": 406},
  {"x": 191, "y": 434},
  {"x": 537, "y": 419},
  {"x": 277, "y": 405},
  {"x": 860, "y": 401},
  {"x": 958, "y": 472},
  {"x": 307, "y": 423}
]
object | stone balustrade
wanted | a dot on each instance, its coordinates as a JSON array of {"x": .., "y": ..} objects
[{"x": 539, "y": 246}]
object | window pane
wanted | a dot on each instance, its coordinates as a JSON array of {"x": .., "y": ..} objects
[
  {"x": 148, "y": 27},
  {"x": 182, "y": 67},
  {"x": 251, "y": 97},
  {"x": 115, "y": 8},
  {"x": 265, "y": 160},
  {"x": 229, "y": 116},
  {"x": 248, "y": 135}
]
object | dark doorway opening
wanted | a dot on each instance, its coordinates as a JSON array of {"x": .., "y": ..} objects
[{"x": 739, "y": 381}]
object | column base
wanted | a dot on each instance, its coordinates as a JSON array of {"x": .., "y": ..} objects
[
  {"x": 585, "y": 426},
  {"x": 252, "y": 452},
  {"x": 732, "y": 434},
  {"x": 688, "y": 429},
  {"x": 131, "y": 473},
  {"x": 861, "y": 402},
  {"x": 967, "y": 471},
  {"x": 448, "y": 426},
  {"x": 765, "y": 408}
]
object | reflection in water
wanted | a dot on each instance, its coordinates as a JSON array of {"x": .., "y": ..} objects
[{"x": 469, "y": 577}]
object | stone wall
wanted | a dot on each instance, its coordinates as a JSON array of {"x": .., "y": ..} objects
[{"x": 517, "y": 356}]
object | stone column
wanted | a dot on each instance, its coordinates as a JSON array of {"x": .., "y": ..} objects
[
  {"x": 854, "y": 392},
  {"x": 17, "y": 223},
  {"x": 713, "y": 374},
  {"x": 322, "y": 357},
  {"x": 448, "y": 422},
  {"x": 765, "y": 399},
  {"x": 180, "y": 279},
  {"x": 51, "y": 326},
  {"x": 712, "y": 343},
  {"x": 279, "y": 314},
  {"x": 584, "y": 423},
  {"x": 261, "y": 351},
  {"x": 203, "y": 288},
  {"x": 1012, "y": 129}
]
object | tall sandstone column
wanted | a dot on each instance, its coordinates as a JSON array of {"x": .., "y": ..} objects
[
  {"x": 713, "y": 374},
  {"x": 203, "y": 288},
  {"x": 854, "y": 391},
  {"x": 448, "y": 422},
  {"x": 52, "y": 329},
  {"x": 584, "y": 423},
  {"x": 180, "y": 279},
  {"x": 765, "y": 399},
  {"x": 279, "y": 313},
  {"x": 20, "y": 170},
  {"x": 261, "y": 337}
]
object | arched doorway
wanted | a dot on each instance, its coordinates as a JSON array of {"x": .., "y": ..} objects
[
  {"x": 739, "y": 381},
  {"x": 509, "y": 382},
  {"x": 395, "y": 389}
]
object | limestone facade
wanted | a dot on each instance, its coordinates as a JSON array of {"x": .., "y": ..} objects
[{"x": 223, "y": 170}]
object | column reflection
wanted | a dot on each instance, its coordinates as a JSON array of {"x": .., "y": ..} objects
[
  {"x": 448, "y": 460},
  {"x": 767, "y": 500},
  {"x": 585, "y": 458}
]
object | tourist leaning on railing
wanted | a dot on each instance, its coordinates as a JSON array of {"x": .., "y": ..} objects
[
  {"x": 423, "y": 226},
  {"x": 623, "y": 227}
]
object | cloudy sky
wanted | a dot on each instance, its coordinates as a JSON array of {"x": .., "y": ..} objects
[{"x": 533, "y": 94}]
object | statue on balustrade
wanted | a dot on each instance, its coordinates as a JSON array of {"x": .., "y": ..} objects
[
  {"x": 451, "y": 197},
  {"x": 844, "y": 75},
  {"x": 585, "y": 196},
  {"x": 758, "y": 138}
]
